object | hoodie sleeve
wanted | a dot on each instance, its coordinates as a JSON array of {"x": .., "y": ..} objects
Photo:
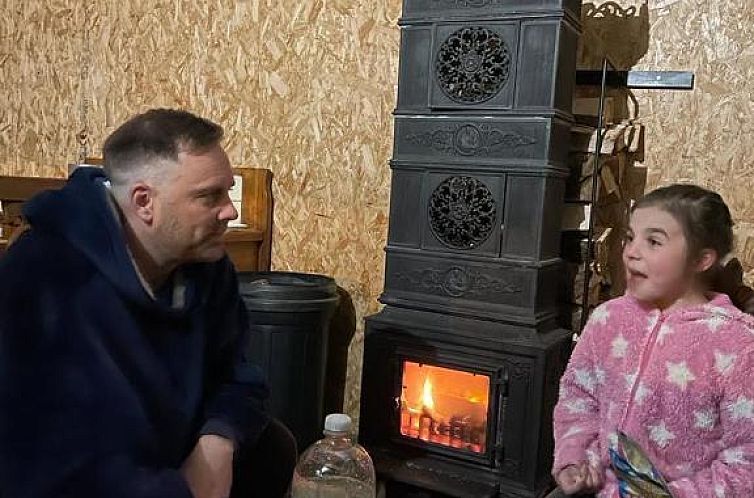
[
  {"x": 237, "y": 392},
  {"x": 731, "y": 474},
  {"x": 576, "y": 416},
  {"x": 53, "y": 443}
]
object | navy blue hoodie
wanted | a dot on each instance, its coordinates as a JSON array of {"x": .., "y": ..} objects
[{"x": 103, "y": 389}]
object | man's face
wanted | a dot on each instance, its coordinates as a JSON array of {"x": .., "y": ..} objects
[{"x": 193, "y": 207}]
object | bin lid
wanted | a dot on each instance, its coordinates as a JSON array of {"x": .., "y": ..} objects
[{"x": 272, "y": 287}]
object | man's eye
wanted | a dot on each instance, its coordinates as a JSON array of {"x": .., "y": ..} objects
[
  {"x": 654, "y": 242},
  {"x": 211, "y": 197}
]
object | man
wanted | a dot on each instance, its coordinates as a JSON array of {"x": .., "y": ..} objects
[{"x": 122, "y": 332}]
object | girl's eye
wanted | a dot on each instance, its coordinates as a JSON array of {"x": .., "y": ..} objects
[{"x": 654, "y": 242}]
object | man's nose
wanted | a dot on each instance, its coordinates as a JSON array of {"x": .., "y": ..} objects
[{"x": 228, "y": 212}]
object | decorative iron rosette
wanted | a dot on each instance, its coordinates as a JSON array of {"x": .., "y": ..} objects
[
  {"x": 462, "y": 212},
  {"x": 472, "y": 65}
]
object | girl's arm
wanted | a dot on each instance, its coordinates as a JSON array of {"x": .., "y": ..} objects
[
  {"x": 576, "y": 415},
  {"x": 731, "y": 474}
]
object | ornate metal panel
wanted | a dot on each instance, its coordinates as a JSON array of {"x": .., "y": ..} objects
[
  {"x": 472, "y": 65},
  {"x": 462, "y": 212}
]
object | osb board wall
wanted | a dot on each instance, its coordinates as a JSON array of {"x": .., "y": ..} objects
[
  {"x": 303, "y": 88},
  {"x": 306, "y": 88}
]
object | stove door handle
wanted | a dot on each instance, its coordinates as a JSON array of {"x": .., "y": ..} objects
[{"x": 502, "y": 405}]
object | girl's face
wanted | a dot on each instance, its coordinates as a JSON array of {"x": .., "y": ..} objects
[{"x": 656, "y": 258}]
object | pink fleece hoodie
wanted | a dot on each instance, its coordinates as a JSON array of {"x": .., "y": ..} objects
[{"x": 680, "y": 383}]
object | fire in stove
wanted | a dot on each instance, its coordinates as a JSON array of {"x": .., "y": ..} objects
[{"x": 444, "y": 406}]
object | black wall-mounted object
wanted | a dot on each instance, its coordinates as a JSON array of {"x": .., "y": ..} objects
[
  {"x": 473, "y": 274},
  {"x": 648, "y": 80}
]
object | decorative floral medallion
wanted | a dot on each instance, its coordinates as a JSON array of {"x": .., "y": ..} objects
[
  {"x": 462, "y": 212},
  {"x": 472, "y": 65}
]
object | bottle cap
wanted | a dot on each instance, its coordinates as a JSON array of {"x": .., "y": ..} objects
[{"x": 338, "y": 422}]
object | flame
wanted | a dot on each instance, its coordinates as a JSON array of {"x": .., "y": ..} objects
[{"x": 427, "y": 401}]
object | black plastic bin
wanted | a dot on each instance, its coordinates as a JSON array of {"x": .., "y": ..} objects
[{"x": 289, "y": 314}]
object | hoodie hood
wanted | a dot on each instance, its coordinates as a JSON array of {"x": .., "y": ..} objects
[
  {"x": 81, "y": 213},
  {"x": 718, "y": 308}
]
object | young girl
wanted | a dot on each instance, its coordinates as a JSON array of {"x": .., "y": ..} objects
[{"x": 668, "y": 363}]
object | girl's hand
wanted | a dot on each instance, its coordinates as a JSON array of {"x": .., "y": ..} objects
[
  {"x": 579, "y": 478},
  {"x": 571, "y": 479},
  {"x": 593, "y": 480}
]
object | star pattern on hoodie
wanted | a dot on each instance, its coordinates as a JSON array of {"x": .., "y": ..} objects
[
  {"x": 630, "y": 379},
  {"x": 733, "y": 456},
  {"x": 585, "y": 379},
  {"x": 724, "y": 362},
  {"x": 573, "y": 430},
  {"x": 600, "y": 315},
  {"x": 715, "y": 322},
  {"x": 680, "y": 374},
  {"x": 742, "y": 408},
  {"x": 577, "y": 405},
  {"x": 719, "y": 311},
  {"x": 599, "y": 376},
  {"x": 652, "y": 318},
  {"x": 705, "y": 419},
  {"x": 660, "y": 435},
  {"x": 619, "y": 346},
  {"x": 665, "y": 331},
  {"x": 642, "y": 392}
]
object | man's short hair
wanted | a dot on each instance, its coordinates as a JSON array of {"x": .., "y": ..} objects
[{"x": 144, "y": 142}]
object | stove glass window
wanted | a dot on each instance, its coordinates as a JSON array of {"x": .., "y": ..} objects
[{"x": 444, "y": 406}]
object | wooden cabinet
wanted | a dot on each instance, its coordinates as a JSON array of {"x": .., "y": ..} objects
[{"x": 250, "y": 247}]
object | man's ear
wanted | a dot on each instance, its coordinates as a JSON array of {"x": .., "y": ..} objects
[
  {"x": 707, "y": 258},
  {"x": 142, "y": 202}
]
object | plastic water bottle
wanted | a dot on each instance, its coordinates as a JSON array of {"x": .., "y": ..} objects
[{"x": 335, "y": 467}]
